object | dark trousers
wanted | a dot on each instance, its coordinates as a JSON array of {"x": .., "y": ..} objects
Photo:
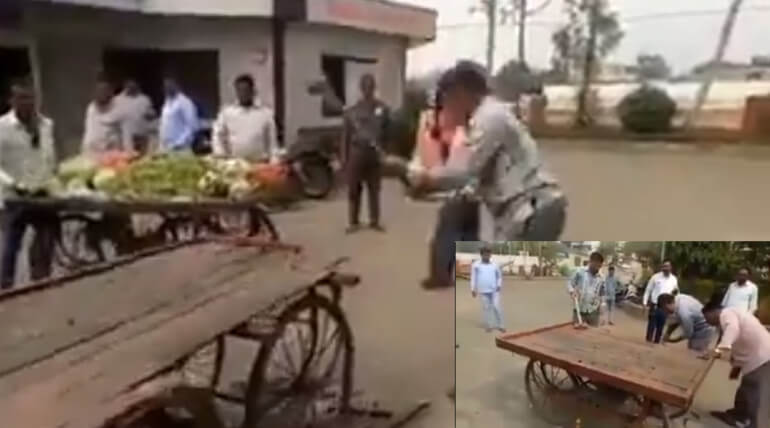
[
  {"x": 752, "y": 399},
  {"x": 458, "y": 220},
  {"x": 365, "y": 169},
  {"x": 15, "y": 224},
  {"x": 656, "y": 321}
]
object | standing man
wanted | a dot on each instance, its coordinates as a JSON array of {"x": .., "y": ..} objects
[
  {"x": 246, "y": 129},
  {"x": 139, "y": 113},
  {"x": 366, "y": 131},
  {"x": 748, "y": 343},
  {"x": 178, "y": 119},
  {"x": 586, "y": 287},
  {"x": 742, "y": 294},
  {"x": 487, "y": 281},
  {"x": 504, "y": 169},
  {"x": 663, "y": 282},
  {"x": 611, "y": 285},
  {"x": 106, "y": 125},
  {"x": 687, "y": 312},
  {"x": 27, "y": 162}
]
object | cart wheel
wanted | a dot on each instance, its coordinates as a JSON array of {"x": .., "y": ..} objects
[
  {"x": 548, "y": 388},
  {"x": 306, "y": 364},
  {"x": 79, "y": 242}
]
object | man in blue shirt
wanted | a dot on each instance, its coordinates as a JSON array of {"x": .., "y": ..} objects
[
  {"x": 178, "y": 119},
  {"x": 486, "y": 282},
  {"x": 611, "y": 286},
  {"x": 687, "y": 313}
]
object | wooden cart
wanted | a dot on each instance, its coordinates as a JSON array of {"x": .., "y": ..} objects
[
  {"x": 132, "y": 340},
  {"x": 575, "y": 375}
]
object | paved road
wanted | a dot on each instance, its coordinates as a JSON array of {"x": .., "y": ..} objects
[
  {"x": 650, "y": 191},
  {"x": 490, "y": 382}
]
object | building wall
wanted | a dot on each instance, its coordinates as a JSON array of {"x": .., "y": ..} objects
[
  {"x": 71, "y": 40},
  {"x": 305, "y": 43}
]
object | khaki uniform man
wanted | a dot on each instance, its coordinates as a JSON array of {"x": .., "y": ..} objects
[{"x": 366, "y": 132}]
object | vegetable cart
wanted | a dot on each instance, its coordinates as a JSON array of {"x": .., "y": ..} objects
[
  {"x": 137, "y": 340},
  {"x": 575, "y": 375}
]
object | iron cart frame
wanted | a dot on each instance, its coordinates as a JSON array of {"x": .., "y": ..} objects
[
  {"x": 80, "y": 226},
  {"x": 104, "y": 366},
  {"x": 574, "y": 374}
]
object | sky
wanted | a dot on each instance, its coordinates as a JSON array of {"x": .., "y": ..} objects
[{"x": 685, "y": 32}]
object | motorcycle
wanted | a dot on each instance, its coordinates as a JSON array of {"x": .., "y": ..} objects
[{"x": 310, "y": 168}]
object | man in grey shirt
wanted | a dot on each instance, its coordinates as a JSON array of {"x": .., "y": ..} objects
[
  {"x": 687, "y": 314},
  {"x": 504, "y": 170}
]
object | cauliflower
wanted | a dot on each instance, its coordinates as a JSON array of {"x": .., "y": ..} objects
[
  {"x": 241, "y": 189},
  {"x": 105, "y": 179}
]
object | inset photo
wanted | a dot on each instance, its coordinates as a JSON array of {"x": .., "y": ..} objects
[{"x": 612, "y": 334}]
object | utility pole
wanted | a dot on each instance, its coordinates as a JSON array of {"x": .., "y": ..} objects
[
  {"x": 491, "y": 11},
  {"x": 522, "y": 31},
  {"x": 583, "y": 117},
  {"x": 724, "y": 39},
  {"x": 662, "y": 251}
]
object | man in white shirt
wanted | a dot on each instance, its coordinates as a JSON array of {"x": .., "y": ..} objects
[
  {"x": 246, "y": 129},
  {"x": 486, "y": 282},
  {"x": 748, "y": 343},
  {"x": 663, "y": 282},
  {"x": 742, "y": 294},
  {"x": 106, "y": 127},
  {"x": 27, "y": 162},
  {"x": 178, "y": 119},
  {"x": 138, "y": 111}
]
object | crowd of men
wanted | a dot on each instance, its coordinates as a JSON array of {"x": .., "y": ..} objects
[
  {"x": 125, "y": 121},
  {"x": 729, "y": 318}
]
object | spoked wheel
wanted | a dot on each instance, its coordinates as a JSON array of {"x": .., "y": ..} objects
[
  {"x": 304, "y": 369},
  {"x": 548, "y": 389},
  {"x": 204, "y": 368},
  {"x": 79, "y": 242}
]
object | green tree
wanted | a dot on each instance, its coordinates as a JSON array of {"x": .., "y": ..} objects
[
  {"x": 592, "y": 32},
  {"x": 513, "y": 80},
  {"x": 609, "y": 249}
]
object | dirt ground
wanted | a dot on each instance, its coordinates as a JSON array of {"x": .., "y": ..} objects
[{"x": 490, "y": 381}]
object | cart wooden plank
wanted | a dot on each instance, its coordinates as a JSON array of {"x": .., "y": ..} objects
[
  {"x": 132, "y": 207},
  {"x": 79, "y": 349},
  {"x": 662, "y": 373}
]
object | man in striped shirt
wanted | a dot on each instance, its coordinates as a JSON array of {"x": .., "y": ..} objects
[{"x": 586, "y": 287}]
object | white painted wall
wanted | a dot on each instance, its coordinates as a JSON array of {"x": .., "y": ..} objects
[
  {"x": 182, "y": 7},
  {"x": 306, "y": 43}
]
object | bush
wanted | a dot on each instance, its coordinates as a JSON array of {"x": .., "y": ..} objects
[
  {"x": 701, "y": 289},
  {"x": 647, "y": 110}
]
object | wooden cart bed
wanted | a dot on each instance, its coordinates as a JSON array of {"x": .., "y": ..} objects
[
  {"x": 666, "y": 374},
  {"x": 71, "y": 353}
]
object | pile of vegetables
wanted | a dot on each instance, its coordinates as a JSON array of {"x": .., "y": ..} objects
[{"x": 125, "y": 176}]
